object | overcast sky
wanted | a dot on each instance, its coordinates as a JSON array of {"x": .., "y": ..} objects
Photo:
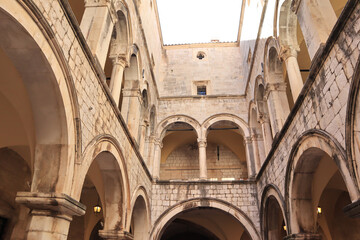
[{"x": 199, "y": 21}]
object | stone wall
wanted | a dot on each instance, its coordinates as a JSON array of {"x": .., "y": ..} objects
[
  {"x": 241, "y": 194},
  {"x": 324, "y": 104}
]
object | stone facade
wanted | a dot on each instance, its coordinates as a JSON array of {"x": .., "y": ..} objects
[{"x": 82, "y": 142}]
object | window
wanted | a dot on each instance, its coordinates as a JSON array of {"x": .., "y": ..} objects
[{"x": 201, "y": 90}]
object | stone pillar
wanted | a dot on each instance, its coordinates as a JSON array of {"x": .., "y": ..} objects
[
  {"x": 202, "y": 158},
  {"x": 115, "y": 235},
  {"x": 317, "y": 19},
  {"x": 303, "y": 236},
  {"x": 289, "y": 55},
  {"x": 131, "y": 110},
  {"x": 157, "y": 158},
  {"x": 266, "y": 131},
  {"x": 117, "y": 78},
  {"x": 249, "y": 156},
  {"x": 150, "y": 152},
  {"x": 143, "y": 126},
  {"x": 278, "y": 105},
  {"x": 97, "y": 26},
  {"x": 50, "y": 215},
  {"x": 257, "y": 162}
]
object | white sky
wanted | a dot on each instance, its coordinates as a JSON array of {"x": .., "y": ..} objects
[{"x": 199, "y": 21}]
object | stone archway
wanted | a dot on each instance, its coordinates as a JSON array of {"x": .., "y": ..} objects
[
  {"x": 206, "y": 204},
  {"x": 317, "y": 168},
  {"x": 139, "y": 224},
  {"x": 103, "y": 163},
  {"x": 273, "y": 214}
]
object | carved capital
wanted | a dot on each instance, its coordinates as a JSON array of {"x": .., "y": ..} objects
[
  {"x": 51, "y": 204},
  {"x": 158, "y": 143},
  {"x": 119, "y": 60},
  {"x": 295, "y": 5},
  {"x": 201, "y": 143},
  {"x": 263, "y": 118},
  {"x": 288, "y": 51},
  {"x": 274, "y": 87}
]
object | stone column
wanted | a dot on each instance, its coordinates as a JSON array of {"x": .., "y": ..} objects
[
  {"x": 249, "y": 156},
  {"x": 115, "y": 235},
  {"x": 317, "y": 19},
  {"x": 150, "y": 152},
  {"x": 202, "y": 159},
  {"x": 254, "y": 140},
  {"x": 278, "y": 105},
  {"x": 289, "y": 55},
  {"x": 97, "y": 26},
  {"x": 131, "y": 110},
  {"x": 143, "y": 126},
  {"x": 303, "y": 236},
  {"x": 266, "y": 131},
  {"x": 157, "y": 159},
  {"x": 50, "y": 215},
  {"x": 117, "y": 78}
]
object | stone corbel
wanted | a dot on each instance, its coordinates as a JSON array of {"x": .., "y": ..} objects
[
  {"x": 295, "y": 5},
  {"x": 114, "y": 234},
  {"x": 51, "y": 204},
  {"x": 159, "y": 143}
]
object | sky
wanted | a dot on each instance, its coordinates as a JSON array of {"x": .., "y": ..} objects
[{"x": 199, "y": 21}]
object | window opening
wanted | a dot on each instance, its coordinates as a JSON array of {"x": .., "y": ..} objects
[{"x": 201, "y": 90}]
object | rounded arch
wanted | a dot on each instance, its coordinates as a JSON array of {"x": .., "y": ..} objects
[
  {"x": 123, "y": 28},
  {"x": 53, "y": 135},
  {"x": 166, "y": 123},
  {"x": 109, "y": 145},
  {"x": 187, "y": 205},
  {"x": 226, "y": 117},
  {"x": 352, "y": 129},
  {"x": 287, "y": 25},
  {"x": 270, "y": 58},
  {"x": 140, "y": 193},
  {"x": 320, "y": 140},
  {"x": 270, "y": 191}
]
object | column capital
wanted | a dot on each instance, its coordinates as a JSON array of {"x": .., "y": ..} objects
[
  {"x": 263, "y": 118},
  {"x": 247, "y": 140},
  {"x": 202, "y": 143},
  {"x": 114, "y": 234},
  {"x": 295, "y": 5},
  {"x": 51, "y": 203},
  {"x": 303, "y": 236},
  {"x": 274, "y": 87},
  {"x": 119, "y": 60},
  {"x": 158, "y": 142},
  {"x": 288, "y": 51}
]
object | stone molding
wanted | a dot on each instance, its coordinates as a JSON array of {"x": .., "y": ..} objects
[
  {"x": 41, "y": 203},
  {"x": 303, "y": 236},
  {"x": 281, "y": 87},
  {"x": 113, "y": 234}
]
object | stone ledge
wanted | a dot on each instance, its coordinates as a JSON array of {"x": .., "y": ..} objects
[
  {"x": 353, "y": 210},
  {"x": 113, "y": 234},
  {"x": 56, "y": 202}
]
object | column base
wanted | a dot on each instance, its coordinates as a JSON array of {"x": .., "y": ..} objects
[
  {"x": 353, "y": 210},
  {"x": 118, "y": 235},
  {"x": 303, "y": 236}
]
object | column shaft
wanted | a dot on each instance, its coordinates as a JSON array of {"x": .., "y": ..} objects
[
  {"x": 157, "y": 159},
  {"x": 116, "y": 79},
  {"x": 202, "y": 159}
]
